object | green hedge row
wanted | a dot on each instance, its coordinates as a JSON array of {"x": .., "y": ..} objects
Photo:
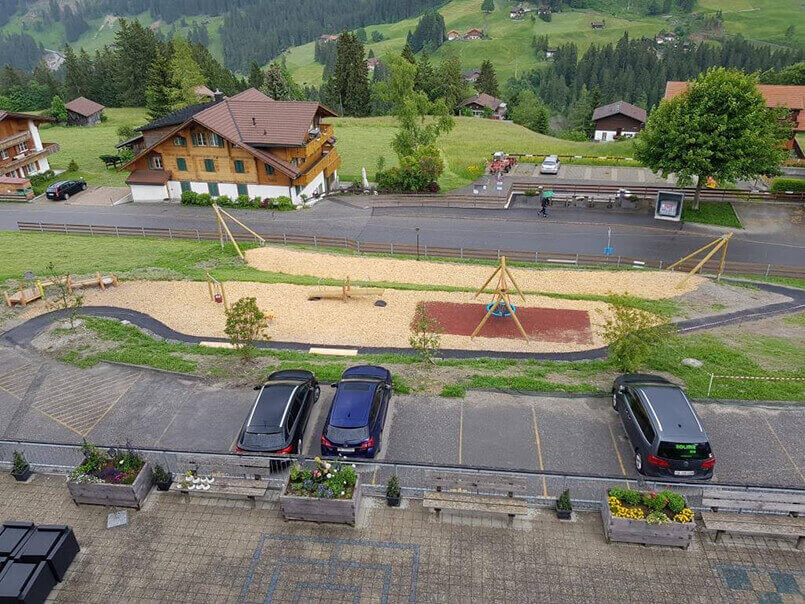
[
  {"x": 788, "y": 184},
  {"x": 281, "y": 203}
]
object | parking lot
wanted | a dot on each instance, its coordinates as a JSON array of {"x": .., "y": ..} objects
[{"x": 47, "y": 401}]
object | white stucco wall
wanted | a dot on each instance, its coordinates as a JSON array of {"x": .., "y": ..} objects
[
  {"x": 148, "y": 193},
  {"x": 35, "y": 135},
  {"x": 608, "y": 135}
]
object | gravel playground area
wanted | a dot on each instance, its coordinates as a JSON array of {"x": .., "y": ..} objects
[
  {"x": 186, "y": 307},
  {"x": 652, "y": 285}
]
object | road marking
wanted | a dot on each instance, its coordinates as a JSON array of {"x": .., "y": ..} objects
[
  {"x": 374, "y": 477},
  {"x": 539, "y": 451},
  {"x": 782, "y": 446},
  {"x": 112, "y": 406},
  {"x": 460, "y": 431},
  {"x": 617, "y": 452}
]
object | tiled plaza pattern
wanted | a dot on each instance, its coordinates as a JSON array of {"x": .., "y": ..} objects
[{"x": 218, "y": 551}]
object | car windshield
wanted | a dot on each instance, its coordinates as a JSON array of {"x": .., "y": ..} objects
[
  {"x": 263, "y": 442},
  {"x": 682, "y": 451},
  {"x": 549, "y": 161}
]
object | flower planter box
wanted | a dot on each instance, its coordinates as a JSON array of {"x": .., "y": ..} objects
[
  {"x": 120, "y": 495},
  {"x": 341, "y": 511},
  {"x": 628, "y": 530}
]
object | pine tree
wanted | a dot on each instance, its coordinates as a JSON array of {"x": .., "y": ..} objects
[
  {"x": 488, "y": 6},
  {"x": 57, "y": 109},
  {"x": 135, "y": 49},
  {"x": 408, "y": 54},
  {"x": 453, "y": 88},
  {"x": 426, "y": 79},
  {"x": 160, "y": 91},
  {"x": 185, "y": 74},
  {"x": 351, "y": 77},
  {"x": 275, "y": 84},
  {"x": 256, "y": 77},
  {"x": 487, "y": 80}
]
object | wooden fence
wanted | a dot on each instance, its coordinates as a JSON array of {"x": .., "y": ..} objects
[{"x": 407, "y": 249}]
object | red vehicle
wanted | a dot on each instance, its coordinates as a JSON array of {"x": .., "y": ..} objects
[{"x": 501, "y": 163}]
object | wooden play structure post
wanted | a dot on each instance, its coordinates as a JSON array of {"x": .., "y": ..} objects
[
  {"x": 722, "y": 243},
  {"x": 346, "y": 293},
  {"x": 501, "y": 294},
  {"x": 223, "y": 227},
  {"x": 216, "y": 289}
]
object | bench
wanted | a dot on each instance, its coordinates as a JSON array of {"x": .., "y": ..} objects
[
  {"x": 111, "y": 161},
  {"x": 739, "y": 515},
  {"x": 488, "y": 493},
  {"x": 228, "y": 488}
]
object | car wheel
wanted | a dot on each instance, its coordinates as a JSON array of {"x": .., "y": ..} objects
[
  {"x": 317, "y": 394},
  {"x": 638, "y": 462},
  {"x": 614, "y": 401},
  {"x": 84, "y": 187},
  {"x": 66, "y": 196}
]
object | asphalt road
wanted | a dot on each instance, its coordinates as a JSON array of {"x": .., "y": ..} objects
[{"x": 566, "y": 231}]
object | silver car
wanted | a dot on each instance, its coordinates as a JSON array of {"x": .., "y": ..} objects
[{"x": 550, "y": 165}]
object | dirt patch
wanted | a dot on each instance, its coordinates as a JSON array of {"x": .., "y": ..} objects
[
  {"x": 711, "y": 298},
  {"x": 651, "y": 285}
]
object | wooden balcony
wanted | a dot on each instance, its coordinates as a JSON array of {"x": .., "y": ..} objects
[
  {"x": 29, "y": 156},
  {"x": 14, "y": 139},
  {"x": 328, "y": 164}
]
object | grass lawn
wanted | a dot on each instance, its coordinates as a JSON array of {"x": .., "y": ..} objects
[
  {"x": 86, "y": 144},
  {"x": 471, "y": 142},
  {"x": 720, "y": 214}
]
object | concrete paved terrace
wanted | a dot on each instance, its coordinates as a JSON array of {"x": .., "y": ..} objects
[{"x": 220, "y": 551}]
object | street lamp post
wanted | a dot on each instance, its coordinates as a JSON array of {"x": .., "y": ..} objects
[{"x": 417, "y": 243}]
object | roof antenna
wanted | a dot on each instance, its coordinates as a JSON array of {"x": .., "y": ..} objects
[{"x": 254, "y": 121}]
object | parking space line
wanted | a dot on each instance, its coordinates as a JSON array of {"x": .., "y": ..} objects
[
  {"x": 112, "y": 406},
  {"x": 782, "y": 446},
  {"x": 539, "y": 451},
  {"x": 460, "y": 431},
  {"x": 617, "y": 452}
]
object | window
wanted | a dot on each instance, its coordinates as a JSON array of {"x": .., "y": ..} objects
[
  {"x": 3, "y": 154},
  {"x": 376, "y": 402},
  {"x": 296, "y": 407},
  {"x": 215, "y": 140},
  {"x": 209, "y": 165},
  {"x": 180, "y": 141},
  {"x": 239, "y": 167},
  {"x": 199, "y": 139},
  {"x": 213, "y": 188},
  {"x": 674, "y": 450},
  {"x": 23, "y": 146},
  {"x": 640, "y": 415},
  {"x": 185, "y": 185},
  {"x": 181, "y": 164},
  {"x": 243, "y": 189},
  {"x": 269, "y": 169},
  {"x": 155, "y": 162}
]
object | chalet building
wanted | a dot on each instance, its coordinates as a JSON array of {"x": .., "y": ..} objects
[
  {"x": 22, "y": 152},
  {"x": 329, "y": 38},
  {"x": 618, "y": 120},
  {"x": 13, "y": 188},
  {"x": 372, "y": 63},
  {"x": 471, "y": 75},
  {"x": 474, "y": 34},
  {"x": 549, "y": 52},
  {"x": 452, "y": 35},
  {"x": 84, "y": 112},
  {"x": 776, "y": 95},
  {"x": 204, "y": 93},
  {"x": 598, "y": 24},
  {"x": 248, "y": 144},
  {"x": 481, "y": 103}
]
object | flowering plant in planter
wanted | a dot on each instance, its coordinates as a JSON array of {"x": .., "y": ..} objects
[
  {"x": 653, "y": 507},
  {"x": 112, "y": 467},
  {"x": 327, "y": 480}
]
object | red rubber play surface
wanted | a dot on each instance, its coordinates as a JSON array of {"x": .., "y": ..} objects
[{"x": 546, "y": 324}]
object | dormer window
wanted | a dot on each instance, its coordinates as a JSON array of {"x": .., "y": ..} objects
[
  {"x": 155, "y": 162},
  {"x": 180, "y": 141},
  {"x": 199, "y": 139},
  {"x": 215, "y": 140}
]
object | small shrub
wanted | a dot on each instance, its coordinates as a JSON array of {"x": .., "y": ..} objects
[
  {"x": 564, "y": 503},
  {"x": 283, "y": 203},
  {"x": 393, "y": 487},
  {"x": 224, "y": 201},
  {"x": 72, "y": 166},
  {"x": 433, "y": 187},
  {"x": 627, "y": 496},
  {"x": 204, "y": 199},
  {"x": 788, "y": 184},
  {"x": 161, "y": 476},
  {"x": 531, "y": 193},
  {"x": 676, "y": 503},
  {"x": 425, "y": 334},
  {"x": 243, "y": 201},
  {"x": 631, "y": 334},
  {"x": 245, "y": 323},
  {"x": 20, "y": 464},
  {"x": 657, "y": 518},
  {"x": 655, "y": 501},
  {"x": 189, "y": 198}
]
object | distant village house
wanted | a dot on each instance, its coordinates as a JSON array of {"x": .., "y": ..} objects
[
  {"x": 372, "y": 63},
  {"x": 598, "y": 24},
  {"x": 618, "y": 120},
  {"x": 84, "y": 112},
  {"x": 329, "y": 38},
  {"x": 481, "y": 104},
  {"x": 474, "y": 34},
  {"x": 471, "y": 75},
  {"x": 452, "y": 35}
]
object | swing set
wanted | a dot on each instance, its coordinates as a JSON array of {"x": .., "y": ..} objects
[{"x": 223, "y": 228}]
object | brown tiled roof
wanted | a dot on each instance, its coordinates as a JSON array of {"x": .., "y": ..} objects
[
  {"x": 621, "y": 107},
  {"x": 483, "y": 99},
  {"x": 13, "y": 180},
  {"x": 25, "y": 116},
  {"x": 148, "y": 177},
  {"x": 84, "y": 106},
  {"x": 776, "y": 95},
  {"x": 202, "y": 90}
]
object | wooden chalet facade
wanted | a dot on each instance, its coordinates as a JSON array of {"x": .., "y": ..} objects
[
  {"x": 248, "y": 144},
  {"x": 22, "y": 152},
  {"x": 84, "y": 112},
  {"x": 618, "y": 120}
]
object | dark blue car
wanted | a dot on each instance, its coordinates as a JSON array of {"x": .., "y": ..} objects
[{"x": 358, "y": 413}]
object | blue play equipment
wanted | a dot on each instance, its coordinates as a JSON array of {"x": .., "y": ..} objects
[{"x": 500, "y": 309}]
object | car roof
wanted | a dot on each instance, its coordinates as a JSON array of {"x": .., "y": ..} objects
[
  {"x": 672, "y": 412},
  {"x": 271, "y": 407},
  {"x": 372, "y": 372},
  {"x": 57, "y": 183},
  {"x": 352, "y": 403},
  {"x": 299, "y": 375}
]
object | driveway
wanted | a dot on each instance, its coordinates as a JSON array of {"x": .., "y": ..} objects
[{"x": 92, "y": 197}]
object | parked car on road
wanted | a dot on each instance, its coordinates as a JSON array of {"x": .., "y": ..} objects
[
  {"x": 667, "y": 435},
  {"x": 355, "y": 422},
  {"x": 280, "y": 412},
  {"x": 550, "y": 165},
  {"x": 64, "y": 188}
]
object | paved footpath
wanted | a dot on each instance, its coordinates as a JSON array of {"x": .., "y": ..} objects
[{"x": 220, "y": 551}]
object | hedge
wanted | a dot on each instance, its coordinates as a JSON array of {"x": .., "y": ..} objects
[
  {"x": 788, "y": 184},
  {"x": 282, "y": 203}
]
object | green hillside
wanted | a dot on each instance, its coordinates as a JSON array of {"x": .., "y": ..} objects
[
  {"x": 509, "y": 46},
  {"x": 362, "y": 140}
]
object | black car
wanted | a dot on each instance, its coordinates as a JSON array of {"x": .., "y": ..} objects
[
  {"x": 64, "y": 188},
  {"x": 668, "y": 437},
  {"x": 278, "y": 417},
  {"x": 355, "y": 422}
]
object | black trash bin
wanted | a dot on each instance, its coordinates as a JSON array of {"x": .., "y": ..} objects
[
  {"x": 52, "y": 543},
  {"x": 26, "y": 582}
]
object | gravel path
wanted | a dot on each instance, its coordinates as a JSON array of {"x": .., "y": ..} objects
[{"x": 651, "y": 285}]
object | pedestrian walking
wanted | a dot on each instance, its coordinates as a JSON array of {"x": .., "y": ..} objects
[{"x": 543, "y": 207}]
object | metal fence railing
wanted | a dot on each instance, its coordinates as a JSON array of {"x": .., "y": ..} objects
[
  {"x": 407, "y": 249},
  {"x": 543, "y": 487}
]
